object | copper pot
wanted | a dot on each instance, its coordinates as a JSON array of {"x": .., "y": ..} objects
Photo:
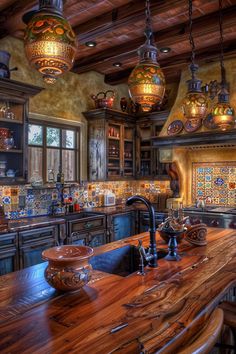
[
  {"x": 4, "y": 134},
  {"x": 68, "y": 268},
  {"x": 102, "y": 100}
]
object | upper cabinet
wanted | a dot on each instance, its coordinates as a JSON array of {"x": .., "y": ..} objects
[
  {"x": 14, "y": 108},
  {"x": 111, "y": 145},
  {"x": 120, "y": 145}
]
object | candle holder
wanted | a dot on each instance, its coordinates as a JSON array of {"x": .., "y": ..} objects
[{"x": 173, "y": 246}]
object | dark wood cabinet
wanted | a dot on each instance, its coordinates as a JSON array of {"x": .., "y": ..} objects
[
  {"x": 111, "y": 145},
  {"x": 9, "y": 261},
  {"x": 14, "y": 107},
  {"x": 148, "y": 164},
  {"x": 121, "y": 225},
  {"x": 33, "y": 242}
]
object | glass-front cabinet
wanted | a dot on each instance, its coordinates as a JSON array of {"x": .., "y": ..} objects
[
  {"x": 14, "y": 100},
  {"x": 111, "y": 145}
]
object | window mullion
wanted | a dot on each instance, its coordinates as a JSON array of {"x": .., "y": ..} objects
[{"x": 44, "y": 153}]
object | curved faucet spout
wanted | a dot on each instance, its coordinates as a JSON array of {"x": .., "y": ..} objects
[{"x": 152, "y": 227}]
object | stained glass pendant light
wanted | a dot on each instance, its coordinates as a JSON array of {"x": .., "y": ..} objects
[
  {"x": 195, "y": 103},
  {"x": 147, "y": 82},
  {"x": 50, "y": 42},
  {"x": 223, "y": 113}
]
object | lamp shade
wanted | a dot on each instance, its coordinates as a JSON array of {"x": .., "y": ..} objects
[
  {"x": 50, "y": 44},
  {"x": 195, "y": 105},
  {"x": 223, "y": 116},
  {"x": 147, "y": 85}
]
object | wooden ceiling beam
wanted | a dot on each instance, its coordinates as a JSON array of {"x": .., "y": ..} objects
[
  {"x": 173, "y": 66},
  {"x": 122, "y": 16},
  {"x": 204, "y": 25}
]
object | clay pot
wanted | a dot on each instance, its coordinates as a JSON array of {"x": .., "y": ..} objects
[
  {"x": 68, "y": 268},
  {"x": 196, "y": 235}
]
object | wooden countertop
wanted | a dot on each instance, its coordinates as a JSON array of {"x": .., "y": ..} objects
[{"x": 136, "y": 314}]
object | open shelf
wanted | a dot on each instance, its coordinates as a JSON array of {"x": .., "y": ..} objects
[
  {"x": 11, "y": 121},
  {"x": 12, "y": 151}
]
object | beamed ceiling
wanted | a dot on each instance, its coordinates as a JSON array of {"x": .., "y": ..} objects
[{"x": 117, "y": 27}]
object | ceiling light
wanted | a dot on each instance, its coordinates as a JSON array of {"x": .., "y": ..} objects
[
  {"x": 90, "y": 44},
  {"x": 50, "y": 43},
  {"x": 147, "y": 82},
  {"x": 195, "y": 103},
  {"x": 223, "y": 113},
  {"x": 165, "y": 50},
  {"x": 117, "y": 65}
]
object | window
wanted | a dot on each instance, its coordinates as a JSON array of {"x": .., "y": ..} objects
[{"x": 51, "y": 146}]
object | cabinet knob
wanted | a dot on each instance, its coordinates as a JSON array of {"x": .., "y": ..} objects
[{"x": 215, "y": 223}]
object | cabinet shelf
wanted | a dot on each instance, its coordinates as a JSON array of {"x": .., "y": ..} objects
[
  {"x": 113, "y": 158},
  {"x": 12, "y": 151},
  {"x": 11, "y": 121},
  {"x": 113, "y": 138},
  {"x": 128, "y": 140}
]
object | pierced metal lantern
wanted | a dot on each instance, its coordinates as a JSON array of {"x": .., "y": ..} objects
[
  {"x": 147, "y": 82},
  {"x": 223, "y": 113},
  {"x": 50, "y": 42},
  {"x": 195, "y": 103}
]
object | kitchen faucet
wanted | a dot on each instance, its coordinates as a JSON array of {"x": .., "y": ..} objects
[{"x": 151, "y": 255}]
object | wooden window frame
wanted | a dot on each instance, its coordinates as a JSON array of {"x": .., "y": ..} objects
[{"x": 44, "y": 146}]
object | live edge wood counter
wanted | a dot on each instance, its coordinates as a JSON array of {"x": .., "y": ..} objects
[{"x": 137, "y": 314}]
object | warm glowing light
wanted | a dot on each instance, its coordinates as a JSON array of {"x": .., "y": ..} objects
[
  {"x": 50, "y": 45},
  {"x": 223, "y": 116},
  {"x": 195, "y": 105}
]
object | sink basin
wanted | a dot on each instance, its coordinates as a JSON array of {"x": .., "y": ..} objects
[
  {"x": 122, "y": 261},
  {"x": 79, "y": 215}
]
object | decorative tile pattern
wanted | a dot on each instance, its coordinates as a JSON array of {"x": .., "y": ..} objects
[
  {"x": 214, "y": 182},
  {"x": 39, "y": 201}
]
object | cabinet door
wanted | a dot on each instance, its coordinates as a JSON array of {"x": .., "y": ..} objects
[
  {"x": 144, "y": 220},
  {"x": 78, "y": 238},
  {"x": 97, "y": 238},
  {"x": 8, "y": 261},
  {"x": 114, "y": 150},
  {"x": 123, "y": 226},
  {"x": 32, "y": 253}
]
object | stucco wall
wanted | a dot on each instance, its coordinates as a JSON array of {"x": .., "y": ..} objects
[{"x": 67, "y": 98}]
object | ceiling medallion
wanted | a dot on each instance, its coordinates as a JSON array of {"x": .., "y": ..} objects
[
  {"x": 195, "y": 103},
  {"x": 147, "y": 82},
  {"x": 223, "y": 113},
  {"x": 50, "y": 43}
]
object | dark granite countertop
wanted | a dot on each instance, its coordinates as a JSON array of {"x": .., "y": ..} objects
[{"x": 30, "y": 223}]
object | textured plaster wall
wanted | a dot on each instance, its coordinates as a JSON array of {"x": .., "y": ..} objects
[
  {"x": 206, "y": 73},
  {"x": 67, "y": 98}
]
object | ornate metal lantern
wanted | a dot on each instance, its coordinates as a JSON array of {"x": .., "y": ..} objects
[
  {"x": 147, "y": 82},
  {"x": 195, "y": 103},
  {"x": 50, "y": 42},
  {"x": 223, "y": 113}
]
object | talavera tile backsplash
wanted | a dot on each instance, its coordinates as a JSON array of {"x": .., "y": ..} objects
[
  {"x": 24, "y": 201},
  {"x": 215, "y": 182}
]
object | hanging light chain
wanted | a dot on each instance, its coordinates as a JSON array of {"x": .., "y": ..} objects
[
  {"x": 191, "y": 34},
  {"x": 148, "y": 29},
  {"x": 221, "y": 44}
]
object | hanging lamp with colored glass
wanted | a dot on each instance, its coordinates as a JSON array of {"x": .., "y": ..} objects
[
  {"x": 147, "y": 82},
  {"x": 50, "y": 43},
  {"x": 195, "y": 103},
  {"x": 222, "y": 112}
]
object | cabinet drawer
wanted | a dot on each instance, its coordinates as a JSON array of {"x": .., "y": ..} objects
[
  {"x": 8, "y": 240},
  {"x": 87, "y": 225},
  {"x": 36, "y": 235},
  {"x": 31, "y": 254}
]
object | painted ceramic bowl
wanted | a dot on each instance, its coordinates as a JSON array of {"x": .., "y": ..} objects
[
  {"x": 68, "y": 268},
  {"x": 196, "y": 235}
]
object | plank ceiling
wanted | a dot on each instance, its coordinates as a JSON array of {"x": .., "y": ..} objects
[{"x": 117, "y": 27}]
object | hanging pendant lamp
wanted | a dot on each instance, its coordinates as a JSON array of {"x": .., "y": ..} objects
[
  {"x": 195, "y": 103},
  {"x": 147, "y": 82},
  {"x": 50, "y": 43},
  {"x": 223, "y": 113}
]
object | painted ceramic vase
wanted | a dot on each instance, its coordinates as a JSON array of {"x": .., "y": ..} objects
[{"x": 68, "y": 268}]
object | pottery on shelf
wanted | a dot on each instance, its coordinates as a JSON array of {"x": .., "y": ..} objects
[
  {"x": 196, "y": 235},
  {"x": 104, "y": 99},
  {"x": 68, "y": 267}
]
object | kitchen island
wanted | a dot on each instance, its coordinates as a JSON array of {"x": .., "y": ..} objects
[{"x": 156, "y": 312}]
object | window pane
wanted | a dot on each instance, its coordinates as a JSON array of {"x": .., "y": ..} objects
[
  {"x": 35, "y": 161},
  {"x": 68, "y": 165},
  {"x": 68, "y": 139},
  {"x": 53, "y": 160},
  {"x": 35, "y": 134},
  {"x": 53, "y": 137}
]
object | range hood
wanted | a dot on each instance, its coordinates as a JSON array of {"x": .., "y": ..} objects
[{"x": 209, "y": 139}]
